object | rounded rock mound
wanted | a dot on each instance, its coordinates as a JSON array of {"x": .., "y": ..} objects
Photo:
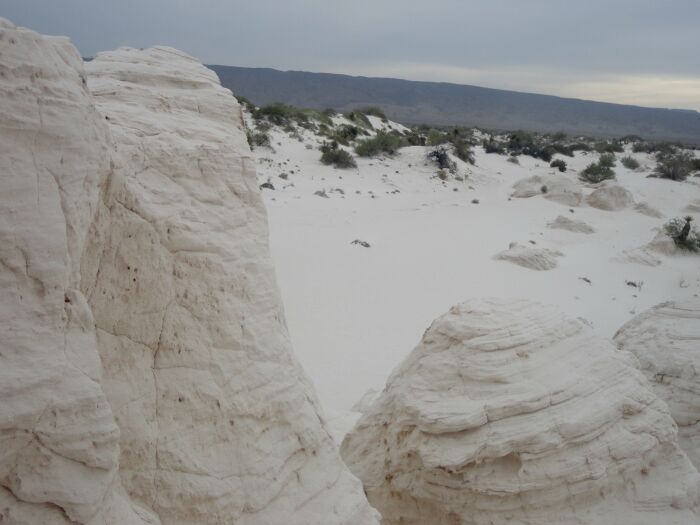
[
  {"x": 508, "y": 412},
  {"x": 666, "y": 340},
  {"x": 610, "y": 198}
]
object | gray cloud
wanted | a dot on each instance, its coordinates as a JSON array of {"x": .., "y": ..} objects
[{"x": 621, "y": 50}]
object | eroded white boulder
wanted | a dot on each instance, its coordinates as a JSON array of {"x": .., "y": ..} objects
[
  {"x": 666, "y": 340},
  {"x": 610, "y": 197},
  {"x": 564, "y": 223},
  {"x": 508, "y": 412},
  {"x": 146, "y": 374},
  {"x": 557, "y": 188},
  {"x": 529, "y": 257}
]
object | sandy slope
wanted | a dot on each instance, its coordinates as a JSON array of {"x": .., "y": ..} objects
[{"x": 354, "y": 313}]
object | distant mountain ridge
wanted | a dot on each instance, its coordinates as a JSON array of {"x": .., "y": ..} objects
[{"x": 441, "y": 103}]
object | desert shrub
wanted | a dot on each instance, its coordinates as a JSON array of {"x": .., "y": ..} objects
[
  {"x": 695, "y": 164},
  {"x": 609, "y": 147},
  {"x": 675, "y": 167},
  {"x": 561, "y": 149},
  {"x": 244, "y": 102},
  {"x": 443, "y": 159},
  {"x": 596, "y": 172},
  {"x": 382, "y": 142},
  {"x": 580, "y": 146},
  {"x": 332, "y": 154},
  {"x": 280, "y": 114},
  {"x": 607, "y": 160},
  {"x": 629, "y": 162},
  {"x": 513, "y": 160},
  {"x": 360, "y": 119},
  {"x": 258, "y": 139},
  {"x": 683, "y": 233},
  {"x": 346, "y": 133},
  {"x": 492, "y": 146},
  {"x": 463, "y": 151},
  {"x": 435, "y": 137},
  {"x": 664, "y": 150},
  {"x": 559, "y": 164},
  {"x": 372, "y": 110},
  {"x": 414, "y": 138},
  {"x": 641, "y": 147}
]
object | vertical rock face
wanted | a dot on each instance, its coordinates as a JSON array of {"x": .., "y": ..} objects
[
  {"x": 511, "y": 413},
  {"x": 146, "y": 375},
  {"x": 59, "y": 447},
  {"x": 666, "y": 340}
]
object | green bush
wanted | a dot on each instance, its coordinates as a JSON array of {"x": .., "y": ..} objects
[
  {"x": 372, "y": 110},
  {"x": 609, "y": 147},
  {"x": 675, "y": 167},
  {"x": 244, "y": 102},
  {"x": 580, "y": 146},
  {"x": 683, "y": 233},
  {"x": 382, "y": 142},
  {"x": 346, "y": 133},
  {"x": 491, "y": 146},
  {"x": 443, "y": 159},
  {"x": 607, "y": 160},
  {"x": 332, "y": 154},
  {"x": 463, "y": 151},
  {"x": 360, "y": 119},
  {"x": 629, "y": 162},
  {"x": 559, "y": 164},
  {"x": 280, "y": 114},
  {"x": 436, "y": 137},
  {"x": 596, "y": 172},
  {"x": 258, "y": 139}
]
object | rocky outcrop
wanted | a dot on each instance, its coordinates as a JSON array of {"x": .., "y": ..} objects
[
  {"x": 666, "y": 340},
  {"x": 533, "y": 258},
  {"x": 557, "y": 188},
  {"x": 564, "y": 223},
  {"x": 647, "y": 209},
  {"x": 610, "y": 198},
  {"x": 146, "y": 372},
  {"x": 508, "y": 412}
]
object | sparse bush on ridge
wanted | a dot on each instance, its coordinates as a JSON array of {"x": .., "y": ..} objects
[
  {"x": 609, "y": 147},
  {"x": 683, "y": 233},
  {"x": 244, "y": 102},
  {"x": 580, "y": 146},
  {"x": 559, "y": 164},
  {"x": 492, "y": 146},
  {"x": 442, "y": 157},
  {"x": 332, "y": 154},
  {"x": 382, "y": 142},
  {"x": 258, "y": 139},
  {"x": 629, "y": 162},
  {"x": 607, "y": 160},
  {"x": 676, "y": 166},
  {"x": 463, "y": 151},
  {"x": 599, "y": 171},
  {"x": 373, "y": 111},
  {"x": 359, "y": 119}
]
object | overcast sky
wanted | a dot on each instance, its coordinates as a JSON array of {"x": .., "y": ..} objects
[{"x": 629, "y": 51}]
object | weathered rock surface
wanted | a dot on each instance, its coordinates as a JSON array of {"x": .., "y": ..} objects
[
  {"x": 557, "y": 188},
  {"x": 527, "y": 257},
  {"x": 666, "y": 340},
  {"x": 646, "y": 209},
  {"x": 610, "y": 198},
  {"x": 564, "y": 223},
  {"x": 145, "y": 369},
  {"x": 507, "y": 412}
]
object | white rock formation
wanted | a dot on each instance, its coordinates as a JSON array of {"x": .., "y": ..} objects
[
  {"x": 557, "y": 188},
  {"x": 666, "y": 340},
  {"x": 611, "y": 197},
  {"x": 507, "y": 412},
  {"x": 528, "y": 257},
  {"x": 146, "y": 374},
  {"x": 693, "y": 207},
  {"x": 646, "y": 209},
  {"x": 564, "y": 223},
  {"x": 641, "y": 255}
]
